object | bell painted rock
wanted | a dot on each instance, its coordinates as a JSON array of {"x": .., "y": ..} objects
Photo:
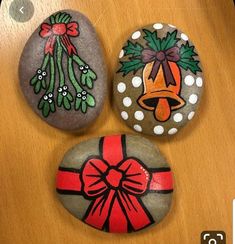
[
  {"x": 159, "y": 80},
  {"x": 62, "y": 71},
  {"x": 115, "y": 183}
]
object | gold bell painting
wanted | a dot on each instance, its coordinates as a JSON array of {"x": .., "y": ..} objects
[{"x": 160, "y": 76}]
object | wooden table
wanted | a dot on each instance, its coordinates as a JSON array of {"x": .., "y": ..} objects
[{"x": 202, "y": 155}]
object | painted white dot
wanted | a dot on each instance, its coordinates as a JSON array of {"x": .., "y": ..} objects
[
  {"x": 121, "y": 87},
  {"x": 136, "y": 81},
  {"x": 139, "y": 115},
  {"x": 199, "y": 82},
  {"x": 157, "y": 26},
  {"x": 121, "y": 54},
  {"x": 172, "y": 26},
  {"x": 189, "y": 80},
  {"x": 127, "y": 101},
  {"x": 158, "y": 130},
  {"x": 124, "y": 115},
  {"x": 184, "y": 37},
  {"x": 191, "y": 115},
  {"x": 178, "y": 117},
  {"x": 193, "y": 98},
  {"x": 138, "y": 128},
  {"x": 172, "y": 131},
  {"x": 136, "y": 35}
]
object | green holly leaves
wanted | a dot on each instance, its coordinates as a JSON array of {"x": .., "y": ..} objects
[
  {"x": 84, "y": 100},
  {"x": 47, "y": 104},
  {"x": 187, "y": 60},
  {"x": 134, "y": 52},
  {"x": 64, "y": 98},
  {"x": 38, "y": 81},
  {"x": 87, "y": 76}
]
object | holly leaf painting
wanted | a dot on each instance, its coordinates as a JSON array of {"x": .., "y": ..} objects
[
  {"x": 152, "y": 40},
  {"x": 134, "y": 49},
  {"x": 132, "y": 65},
  {"x": 187, "y": 51},
  {"x": 169, "y": 41}
]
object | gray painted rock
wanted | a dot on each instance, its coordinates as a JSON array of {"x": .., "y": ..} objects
[
  {"x": 159, "y": 80},
  {"x": 62, "y": 71},
  {"x": 115, "y": 183}
]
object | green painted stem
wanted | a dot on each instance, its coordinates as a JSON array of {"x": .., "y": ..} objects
[
  {"x": 59, "y": 62},
  {"x": 72, "y": 75},
  {"x": 45, "y": 62},
  {"x": 52, "y": 75},
  {"x": 78, "y": 60}
]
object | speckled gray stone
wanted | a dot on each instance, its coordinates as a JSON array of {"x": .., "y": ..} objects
[
  {"x": 62, "y": 71},
  {"x": 99, "y": 162}
]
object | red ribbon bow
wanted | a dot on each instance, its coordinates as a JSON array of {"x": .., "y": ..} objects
[
  {"x": 63, "y": 31},
  {"x": 115, "y": 183}
]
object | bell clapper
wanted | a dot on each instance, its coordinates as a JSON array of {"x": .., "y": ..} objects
[{"x": 162, "y": 110}]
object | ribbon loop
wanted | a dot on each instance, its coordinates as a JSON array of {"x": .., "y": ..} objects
[{"x": 161, "y": 58}]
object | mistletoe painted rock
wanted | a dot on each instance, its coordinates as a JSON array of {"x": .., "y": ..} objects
[
  {"x": 62, "y": 72},
  {"x": 115, "y": 183},
  {"x": 159, "y": 80}
]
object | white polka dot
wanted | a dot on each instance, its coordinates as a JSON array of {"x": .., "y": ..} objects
[
  {"x": 193, "y": 98},
  {"x": 172, "y": 131},
  {"x": 178, "y": 117},
  {"x": 136, "y": 81},
  {"x": 124, "y": 115},
  {"x": 136, "y": 35},
  {"x": 121, "y": 54},
  {"x": 158, "y": 130},
  {"x": 121, "y": 87},
  {"x": 184, "y": 37},
  {"x": 191, "y": 115},
  {"x": 172, "y": 26},
  {"x": 138, "y": 128},
  {"x": 139, "y": 115},
  {"x": 199, "y": 82},
  {"x": 157, "y": 26},
  {"x": 189, "y": 80},
  {"x": 127, "y": 101}
]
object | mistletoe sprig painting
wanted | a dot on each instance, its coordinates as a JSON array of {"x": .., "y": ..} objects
[
  {"x": 50, "y": 77},
  {"x": 161, "y": 60}
]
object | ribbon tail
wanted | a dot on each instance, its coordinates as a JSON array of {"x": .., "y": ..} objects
[
  {"x": 49, "y": 47},
  {"x": 154, "y": 71},
  {"x": 117, "y": 219},
  {"x": 135, "y": 211},
  {"x": 98, "y": 211},
  {"x": 169, "y": 78},
  {"x": 71, "y": 49}
]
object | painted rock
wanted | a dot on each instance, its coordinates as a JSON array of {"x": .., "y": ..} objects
[
  {"x": 62, "y": 71},
  {"x": 111, "y": 185},
  {"x": 159, "y": 80}
]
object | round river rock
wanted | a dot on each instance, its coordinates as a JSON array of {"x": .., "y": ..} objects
[
  {"x": 62, "y": 71},
  {"x": 115, "y": 183},
  {"x": 159, "y": 80}
]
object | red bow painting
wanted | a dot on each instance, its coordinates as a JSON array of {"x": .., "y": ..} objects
[{"x": 115, "y": 183}]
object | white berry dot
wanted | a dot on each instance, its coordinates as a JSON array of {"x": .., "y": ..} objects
[
  {"x": 139, "y": 115},
  {"x": 121, "y": 54},
  {"x": 136, "y": 81},
  {"x": 138, "y": 128},
  {"x": 189, "y": 80},
  {"x": 124, "y": 115},
  {"x": 184, "y": 37},
  {"x": 172, "y": 131},
  {"x": 199, "y": 82},
  {"x": 157, "y": 26},
  {"x": 178, "y": 117},
  {"x": 193, "y": 98},
  {"x": 121, "y": 87},
  {"x": 136, "y": 35},
  {"x": 127, "y": 101},
  {"x": 172, "y": 26},
  {"x": 190, "y": 115},
  {"x": 158, "y": 130}
]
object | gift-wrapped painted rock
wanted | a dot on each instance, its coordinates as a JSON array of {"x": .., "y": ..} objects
[
  {"x": 115, "y": 183},
  {"x": 62, "y": 71},
  {"x": 159, "y": 80}
]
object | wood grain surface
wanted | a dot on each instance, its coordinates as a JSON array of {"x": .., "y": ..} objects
[{"x": 202, "y": 155}]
